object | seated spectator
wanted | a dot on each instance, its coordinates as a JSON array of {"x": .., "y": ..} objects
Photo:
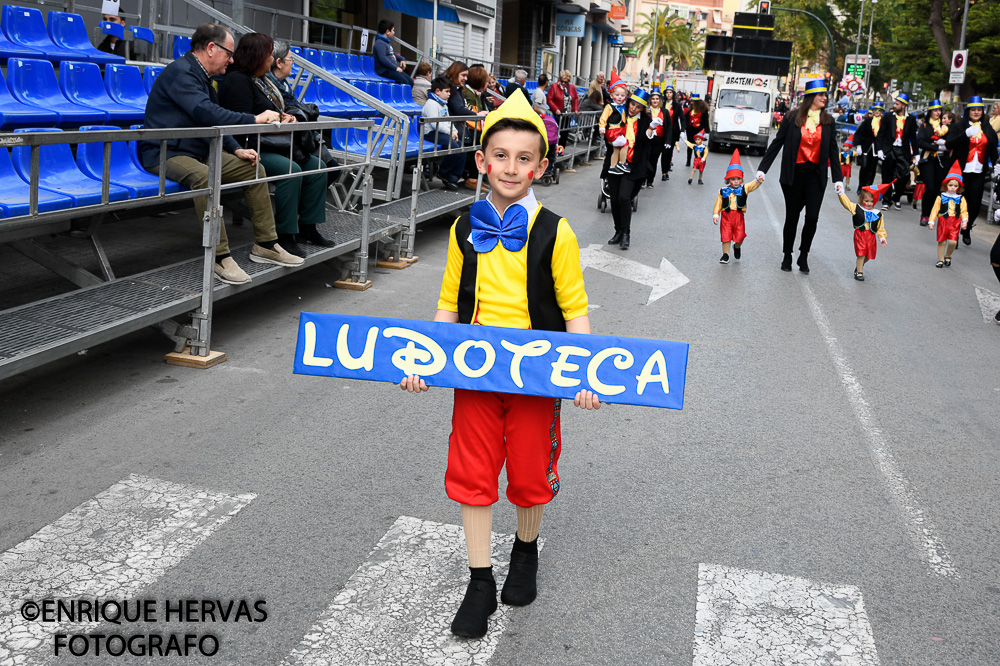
[
  {"x": 388, "y": 64},
  {"x": 538, "y": 99},
  {"x": 518, "y": 83},
  {"x": 183, "y": 96},
  {"x": 457, "y": 74},
  {"x": 300, "y": 203},
  {"x": 112, "y": 44},
  {"x": 494, "y": 102},
  {"x": 443, "y": 133},
  {"x": 594, "y": 100},
  {"x": 421, "y": 82}
]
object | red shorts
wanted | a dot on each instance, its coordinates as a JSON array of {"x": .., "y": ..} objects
[
  {"x": 733, "y": 226},
  {"x": 699, "y": 164},
  {"x": 845, "y": 170},
  {"x": 918, "y": 191},
  {"x": 865, "y": 244},
  {"x": 948, "y": 228},
  {"x": 490, "y": 428},
  {"x": 613, "y": 133}
]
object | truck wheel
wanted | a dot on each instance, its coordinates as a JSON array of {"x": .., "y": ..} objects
[{"x": 713, "y": 147}]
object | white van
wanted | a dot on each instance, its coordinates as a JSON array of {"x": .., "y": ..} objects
[{"x": 741, "y": 110}]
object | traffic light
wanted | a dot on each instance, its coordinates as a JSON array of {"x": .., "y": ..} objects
[{"x": 764, "y": 7}]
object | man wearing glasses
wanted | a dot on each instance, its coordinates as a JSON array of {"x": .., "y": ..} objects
[{"x": 183, "y": 96}]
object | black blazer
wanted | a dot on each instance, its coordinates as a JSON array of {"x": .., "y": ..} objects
[
  {"x": 887, "y": 134},
  {"x": 678, "y": 125},
  {"x": 864, "y": 137},
  {"x": 958, "y": 143},
  {"x": 789, "y": 137},
  {"x": 240, "y": 93},
  {"x": 640, "y": 154}
]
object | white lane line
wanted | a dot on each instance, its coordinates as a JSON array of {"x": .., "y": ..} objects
[
  {"x": 662, "y": 280},
  {"x": 398, "y": 606},
  {"x": 989, "y": 304},
  {"x": 755, "y": 618},
  {"x": 109, "y": 547},
  {"x": 900, "y": 490}
]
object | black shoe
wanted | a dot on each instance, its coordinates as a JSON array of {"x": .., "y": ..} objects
[
  {"x": 625, "y": 241},
  {"x": 924, "y": 221},
  {"x": 786, "y": 263},
  {"x": 308, "y": 233},
  {"x": 897, "y": 205},
  {"x": 997, "y": 317},
  {"x": 700, "y": 181},
  {"x": 289, "y": 245},
  {"x": 471, "y": 620},
  {"x": 665, "y": 177},
  {"x": 803, "y": 263},
  {"x": 736, "y": 253},
  {"x": 947, "y": 261},
  {"x": 967, "y": 238},
  {"x": 689, "y": 180},
  {"x": 939, "y": 264},
  {"x": 614, "y": 240},
  {"x": 649, "y": 185},
  {"x": 860, "y": 277},
  {"x": 724, "y": 259},
  {"x": 450, "y": 186},
  {"x": 521, "y": 588}
]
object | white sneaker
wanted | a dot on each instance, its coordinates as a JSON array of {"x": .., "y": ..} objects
[
  {"x": 278, "y": 256},
  {"x": 230, "y": 272}
]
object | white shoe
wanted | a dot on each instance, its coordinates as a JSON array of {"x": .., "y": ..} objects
[{"x": 278, "y": 256}]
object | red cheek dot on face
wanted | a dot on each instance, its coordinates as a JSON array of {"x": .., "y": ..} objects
[
  {"x": 531, "y": 175},
  {"x": 489, "y": 168}
]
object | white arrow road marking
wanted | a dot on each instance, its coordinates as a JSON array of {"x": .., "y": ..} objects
[
  {"x": 398, "y": 606},
  {"x": 755, "y": 618},
  {"x": 989, "y": 303},
  {"x": 111, "y": 546},
  {"x": 663, "y": 280}
]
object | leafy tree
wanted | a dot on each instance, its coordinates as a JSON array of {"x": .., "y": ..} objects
[{"x": 675, "y": 40}]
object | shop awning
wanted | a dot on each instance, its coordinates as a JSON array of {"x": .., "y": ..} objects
[{"x": 422, "y": 9}]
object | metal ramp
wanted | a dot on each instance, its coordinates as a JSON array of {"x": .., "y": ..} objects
[{"x": 430, "y": 204}]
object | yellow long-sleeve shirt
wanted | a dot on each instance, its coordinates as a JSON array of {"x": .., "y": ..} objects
[
  {"x": 963, "y": 211},
  {"x": 502, "y": 276},
  {"x": 853, "y": 208},
  {"x": 747, "y": 187}
]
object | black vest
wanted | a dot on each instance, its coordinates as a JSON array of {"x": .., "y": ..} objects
[
  {"x": 543, "y": 308},
  {"x": 859, "y": 219},
  {"x": 741, "y": 201}
]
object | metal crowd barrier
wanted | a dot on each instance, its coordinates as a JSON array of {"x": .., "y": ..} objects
[{"x": 582, "y": 127}]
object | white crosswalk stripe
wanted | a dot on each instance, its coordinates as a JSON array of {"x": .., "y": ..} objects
[
  {"x": 109, "y": 547},
  {"x": 398, "y": 606},
  {"x": 989, "y": 304}
]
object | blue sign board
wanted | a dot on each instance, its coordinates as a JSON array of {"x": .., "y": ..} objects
[
  {"x": 621, "y": 370},
  {"x": 616, "y": 40},
  {"x": 570, "y": 25}
]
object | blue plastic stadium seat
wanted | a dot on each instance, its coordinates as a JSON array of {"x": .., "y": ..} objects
[
  {"x": 332, "y": 106},
  {"x": 399, "y": 101},
  {"x": 413, "y": 138},
  {"x": 9, "y": 49},
  {"x": 149, "y": 77},
  {"x": 182, "y": 45},
  {"x": 124, "y": 85},
  {"x": 25, "y": 26},
  {"x": 357, "y": 72},
  {"x": 124, "y": 173},
  {"x": 312, "y": 95},
  {"x": 407, "y": 92},
  {"x": 69, "y": 31},
  {"x": 343, "y": 69},
  {"x": 15, "y": 193},
  {"x": 367, "y": 67},
  {"x": 57, "y": 172},
  {"x": 82, "y": 84},
  {"x": 358, "y": 107},
  {"x": 33, "y": 82},
  {"x": 142, "y": 34},
  {"x": 15, "y": 114},
  {"x": 530, "y": 85},
  {"x": 113, "y": 29},
  {"x": 313, "y": 56},
  {"x": 326, "y": 60}
]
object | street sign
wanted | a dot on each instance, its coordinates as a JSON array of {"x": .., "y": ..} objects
[
  {"x": 892, "y": 85},
  {"x": 874, "y": 62},
  {"x": 856, "y": 70},
  {"x": 618, "y": 12},
  {"x": 959, "y": 60}
]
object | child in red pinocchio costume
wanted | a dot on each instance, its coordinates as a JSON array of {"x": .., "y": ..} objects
[
  {"x": 869, "y": 226},
  {"x": 511, "y": 263},
  {"x": 613, "y": 125},
  {"x": 955, "y": 215},
  {"x": 700, "y": 156},
  {"x": 730, "y": 208}
]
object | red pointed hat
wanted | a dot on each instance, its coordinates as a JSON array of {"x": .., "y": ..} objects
[
  {"x": 735, "y": 169},
  {"x": 955, "y": 173},
  {"x": 879, "y": 190},
  {"x": 701, "y": 135},
  {"x": 849, "y": 141},
  {"x": 615, "y": 81}
]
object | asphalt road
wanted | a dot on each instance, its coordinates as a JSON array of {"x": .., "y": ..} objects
[{"x": 839, "y": 432}]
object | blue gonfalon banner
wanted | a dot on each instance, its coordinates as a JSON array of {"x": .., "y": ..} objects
[{"x": 630, "y": 371}]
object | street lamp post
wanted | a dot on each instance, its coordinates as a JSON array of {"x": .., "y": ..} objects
[{"x": 656, "y": 30}]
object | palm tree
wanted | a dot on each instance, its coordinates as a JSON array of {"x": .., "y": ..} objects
[{"x": 675, "y": 40}]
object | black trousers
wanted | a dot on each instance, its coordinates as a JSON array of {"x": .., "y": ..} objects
[
  {"x": 931, "y": 174},
  {"x": 896, "y": 166},
  {"x": 975, "y": 184},
  {"x": 655, "y": 149},
  {"x": 806, "y": 192},
  {"x": 667, "y": 158},
  {"x": 866, "y": 174},
  {"x": 621, "y": 189}
]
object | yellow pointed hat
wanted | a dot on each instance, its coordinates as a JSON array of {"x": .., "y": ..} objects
[{"x": 517, "y": 106}]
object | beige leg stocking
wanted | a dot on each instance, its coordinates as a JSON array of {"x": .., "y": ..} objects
[
  {"x": 529, "y": 520},
  {"x": 478, "y": 524}
]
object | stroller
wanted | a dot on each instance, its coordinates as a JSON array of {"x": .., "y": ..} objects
[{"x": 605, "y": 197}]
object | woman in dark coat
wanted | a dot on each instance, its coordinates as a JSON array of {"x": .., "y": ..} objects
[
  {"x": 300, "y": 203},
  {"x": 621, "y": 187},
  {"x": 672, "y": 108},
  {"x": 807, "y": 140},
  {"x": 933, "y": 159},
  {"x": 973, "y": 144},
  {"x": 695, "y": 120}
]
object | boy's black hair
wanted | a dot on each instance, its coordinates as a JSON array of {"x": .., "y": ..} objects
[
  {"x": 440, "y": 83},
  {"x": 385, "y": 26},
  {"x": 518, "y": 125}
]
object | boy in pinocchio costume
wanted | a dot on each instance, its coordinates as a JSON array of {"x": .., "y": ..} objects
[
  {"x": 515, "y": 264},
  {"x": 613, "y": 125},
  {"x": 700, "y": 156},
  {"x": 869, "y": 226},
  {"x": 846, "y": 158},
  {"x": 731, "y": 207},
  {"x": 950, "y": 213}
]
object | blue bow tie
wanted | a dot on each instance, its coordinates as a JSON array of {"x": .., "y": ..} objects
[
  {"x": 620, "y": 108},
  {"x": 956, "y": 198},
  {"x": 488, "y": 228},
  {"x": 738, "y": 191},
  {"x": 871, "y": 216}
]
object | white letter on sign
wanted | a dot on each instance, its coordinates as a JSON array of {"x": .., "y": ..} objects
[
  {"x": 463, "y": 367},
  {"x": 560, "y": 364},
  {"x": 367, "y": 358},
  {"x": 413, "y": 361},
  {"x": 646, "y": 375},
  {"x": 536, "y": 348},
  {"x": 309, "y": 353},
  {"x": 623, "y": 361}
]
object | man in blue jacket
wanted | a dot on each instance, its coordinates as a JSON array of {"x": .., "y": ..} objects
[
  {"x": 388, "y": 65},
  {"x": 183, "y": 96}
]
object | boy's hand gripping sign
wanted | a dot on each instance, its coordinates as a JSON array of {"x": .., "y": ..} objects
[{"x": 485, "y": 358}]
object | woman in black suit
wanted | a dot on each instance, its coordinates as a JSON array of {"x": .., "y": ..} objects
[
  {"x": 622, "y": 186},
  {"x": 672, "y": 108},
  {"x": 808, "y": 141},
  {"x": 973, "y": 144}
]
